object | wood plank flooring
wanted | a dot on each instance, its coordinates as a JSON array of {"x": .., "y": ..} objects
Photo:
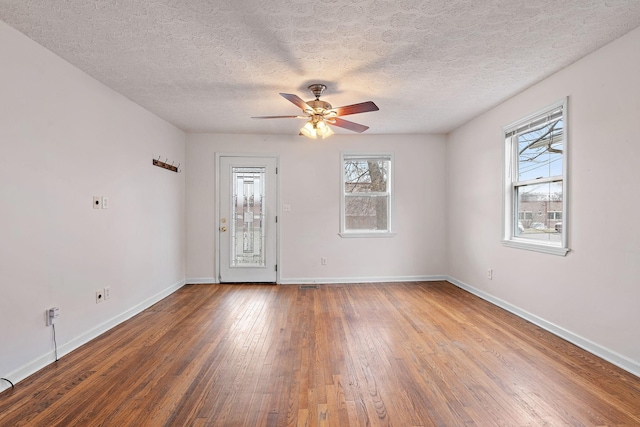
[{"x": 401, "y": 354}]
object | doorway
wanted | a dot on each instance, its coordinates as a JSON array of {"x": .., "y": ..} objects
[{"x": 247, "y": 219}]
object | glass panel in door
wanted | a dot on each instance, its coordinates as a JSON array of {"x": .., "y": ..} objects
[{"x": 247, "y": 227}]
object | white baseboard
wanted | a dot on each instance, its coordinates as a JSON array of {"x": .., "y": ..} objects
[
  {"x": 331, "y": 280},
  {"x": 200, "y": 281},
  {"x": 48, "y": 358},
  {"x": 619, "y": 360},
  {"x": 334, "y": 280}
]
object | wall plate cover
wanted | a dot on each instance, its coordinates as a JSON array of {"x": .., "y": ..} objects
[{"x": 51, "y": 315}]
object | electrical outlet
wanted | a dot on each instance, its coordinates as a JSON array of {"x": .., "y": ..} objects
[
  {"x": 97, "y": 202},
  {"x": 51, "y": 315},
  {"x": 323, "y": 261},
  {"x": 107, "y": 292},
  {"x": 99, "y": 296},
  {"x": 490, "y": 274}
]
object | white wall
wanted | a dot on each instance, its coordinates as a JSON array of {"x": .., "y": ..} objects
[
  {"x": 66, "y": 138},
  {"x": 310, "y": 183},
  {"x": 590, "y": 296}
]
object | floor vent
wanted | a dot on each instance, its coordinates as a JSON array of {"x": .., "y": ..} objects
[{"x": 308, "y": 287}]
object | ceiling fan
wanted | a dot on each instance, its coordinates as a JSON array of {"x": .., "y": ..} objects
[{"x": 320, "y": 114}]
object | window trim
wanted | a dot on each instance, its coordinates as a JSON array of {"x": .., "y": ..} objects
[
  {"x": 509, "y": 213},
  {"x": 390, "y": 180}
]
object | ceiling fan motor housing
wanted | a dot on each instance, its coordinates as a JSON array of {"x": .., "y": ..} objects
[{"x": 318, "y": 106}]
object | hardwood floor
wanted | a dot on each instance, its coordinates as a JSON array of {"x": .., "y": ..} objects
[{"x": 402, "y": 354}]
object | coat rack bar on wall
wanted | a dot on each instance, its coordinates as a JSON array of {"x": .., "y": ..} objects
[{"x": 165, "y": 165}]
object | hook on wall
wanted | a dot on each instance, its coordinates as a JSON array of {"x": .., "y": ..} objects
[{"x": 166, "y": 165}]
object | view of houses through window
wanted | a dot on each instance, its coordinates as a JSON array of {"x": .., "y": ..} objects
[
  {"x": 534, "y": 198},
  {"x": 539, "y": 214}
]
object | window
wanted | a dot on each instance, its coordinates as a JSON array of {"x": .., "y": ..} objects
[
  {"x": 554, "y": 215},
  {"x": 535, "y": 181},
  {"x": 525, "y": 215},
  {"x": 366, "y": 202}
]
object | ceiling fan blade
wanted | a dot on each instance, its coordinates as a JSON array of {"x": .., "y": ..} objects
[
  {"x": 279, "y": 117},
  {"x": 363, "y": 107},
  {"x": 296, "y": 100},
  {"x": 356, "y": 127}
]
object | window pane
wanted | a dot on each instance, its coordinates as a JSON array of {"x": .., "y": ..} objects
[
  {"x": 555, "y": 215},
  {"x": 540, "y": 151},
  {"x": 525, "y": 215},
  {"x": 366, "y": 176},
  {"x": 366, "y": 212},
  {"x": 544, "y": 203},
  {"x": 247, "y": 230}
]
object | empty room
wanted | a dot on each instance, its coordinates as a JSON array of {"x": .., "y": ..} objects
[{"x": 295, "y": 213}]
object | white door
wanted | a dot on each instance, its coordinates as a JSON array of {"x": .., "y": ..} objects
[{"x": 247, "y": 230}]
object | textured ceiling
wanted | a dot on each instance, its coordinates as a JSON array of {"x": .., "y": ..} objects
[{"x": 430, "y": 65}]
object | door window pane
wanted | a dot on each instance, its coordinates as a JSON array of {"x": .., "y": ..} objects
[{"x": 247, "y": 225}]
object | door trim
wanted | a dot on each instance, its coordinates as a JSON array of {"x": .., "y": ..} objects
[{"x": 217, "y": 210}]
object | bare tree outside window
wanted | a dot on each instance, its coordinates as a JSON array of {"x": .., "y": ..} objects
[{"x": 366, "y": 193}]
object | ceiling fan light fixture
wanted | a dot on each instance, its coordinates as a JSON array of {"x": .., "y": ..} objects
[
  {"x": 309, "y": 130},
  {"x": 316, "y": 129},
  {"x": 323, "y": 130},
  {"x": 320, "y": 126}
]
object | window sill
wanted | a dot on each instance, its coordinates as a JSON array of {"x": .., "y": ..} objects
[
  {"x": 536, "y": 247},
  {"x": 367, "y": 234}
]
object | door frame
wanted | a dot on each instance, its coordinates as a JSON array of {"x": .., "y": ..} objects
[{"x": 216, "y": 229}]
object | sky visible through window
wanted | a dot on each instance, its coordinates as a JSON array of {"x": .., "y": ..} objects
[{"x": 540, "y": 152}]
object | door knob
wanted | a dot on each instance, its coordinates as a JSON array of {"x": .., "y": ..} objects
[{"x": 223, "y": 229}]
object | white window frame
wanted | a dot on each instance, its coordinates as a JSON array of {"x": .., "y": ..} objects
[
  {"x": 344, "y": 156},
  {"x": 510, "y": 214}
]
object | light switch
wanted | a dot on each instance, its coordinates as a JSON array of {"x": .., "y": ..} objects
[{"x": 105, "y": 203}]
